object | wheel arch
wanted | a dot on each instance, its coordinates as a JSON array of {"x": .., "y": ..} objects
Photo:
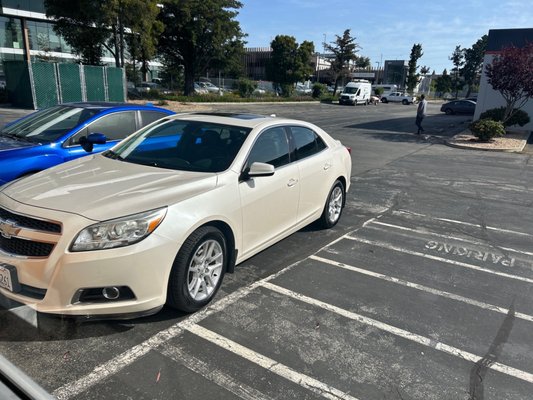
[{"x": 230, "y": 242}]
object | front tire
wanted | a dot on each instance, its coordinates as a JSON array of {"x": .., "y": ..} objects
[
  {"x": 405, "y": 102},
  {"x": 198, "y": 270},
  {"x": 334, "y": 205},
  {"x": 448, "y": 111},
  {"x": 384, "y": 100}
]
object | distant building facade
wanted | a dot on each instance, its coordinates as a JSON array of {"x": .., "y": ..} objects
[{"x": 395, "y": 72}]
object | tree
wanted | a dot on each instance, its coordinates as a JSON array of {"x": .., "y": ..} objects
[
  {"x": 412, "y": 76},
  {"x": 344, "y": 50},
  {"x": 90, "y": 26},
  {"x": 443, "y": 83},
  {"x": 457, "y": 59},
  {"x": 289, "y": 62},
  {"x": 362, "y": 62},
  {"x": 511, "y": 73},
  {"x": 474, "y": 63},
  {"x": 198, "y": 35}
]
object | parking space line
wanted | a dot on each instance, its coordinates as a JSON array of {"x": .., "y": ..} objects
[
  {"x": 440, "y": 259},
  {"x": 492, "y": 228},
  {"x": 404, "y": 228},
  {"x": 423, "y": 288},
  {"x": 121, "y": 361},
  {"x": 425, "y": 341},
  {"x": 271, "y": 365},
  {"x": 216, "y": 376}
]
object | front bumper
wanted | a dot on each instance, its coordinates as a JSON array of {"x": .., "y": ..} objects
[{"x": 52, "y": 283}]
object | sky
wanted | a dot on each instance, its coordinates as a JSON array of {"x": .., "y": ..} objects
[{"x": 384, "y": 29}]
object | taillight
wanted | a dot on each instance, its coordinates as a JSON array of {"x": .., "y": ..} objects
[{"x": 349, "y": 150}]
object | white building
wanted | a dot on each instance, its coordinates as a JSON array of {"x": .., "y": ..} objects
[{"x": 488, "y": 97}]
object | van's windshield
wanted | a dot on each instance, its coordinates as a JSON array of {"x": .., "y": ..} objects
[{"x": 350, "y": 90}]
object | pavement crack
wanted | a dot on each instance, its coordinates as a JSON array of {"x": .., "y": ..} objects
[{"x": 480, "y": 368}]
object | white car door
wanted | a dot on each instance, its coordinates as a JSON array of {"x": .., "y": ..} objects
[{"x": 269, "y": 203}]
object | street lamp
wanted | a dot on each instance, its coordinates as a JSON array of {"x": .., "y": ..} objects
[{"x": 377, "y": 74}]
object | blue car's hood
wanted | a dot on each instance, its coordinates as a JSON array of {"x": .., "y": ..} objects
[{"x": 7, "y": 143}]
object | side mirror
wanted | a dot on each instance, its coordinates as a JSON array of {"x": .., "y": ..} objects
[
  {"x": 88, "y": 142},
  {"x": 257, "y": 169}
]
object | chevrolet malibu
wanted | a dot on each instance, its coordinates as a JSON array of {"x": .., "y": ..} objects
[{"x": 163, "y": 215}]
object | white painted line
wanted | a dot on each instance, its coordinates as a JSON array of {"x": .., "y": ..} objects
[
  {"x": 404, "y": 228},
  {"x": 423, "y": 288},
  {"x": 440, "y": 259},
  {"x": 116, "y": 364},
  {"x": 492, "y": 228},
  {"x": 216, "y": 376},
  {"x": 271, "y": 365},
  {"x": 425, "y": 341}
]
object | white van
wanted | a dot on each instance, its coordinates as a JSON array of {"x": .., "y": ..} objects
[
  {"x": 388, "y": 88},
  {"x": 356, "y": 92}
]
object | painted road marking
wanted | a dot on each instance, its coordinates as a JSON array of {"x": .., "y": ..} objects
[
  {"x": 423, "y": 288},
  {"x": 118, "y": 363},
  {"x": 435, "y": 258},
  {"x": 455, "y": 238},
  {"x": 271, "y": 365},
  {"x": 216, "y": 376},
  {"x": 428, "y": 342},
  {"x": 491, "y": 228}
]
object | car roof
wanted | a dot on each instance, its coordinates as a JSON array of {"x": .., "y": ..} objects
[
  {"x": 236, "y": 119},
  {"x": 103, "y": 105}
]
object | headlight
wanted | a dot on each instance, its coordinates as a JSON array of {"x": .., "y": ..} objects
[{"x": 118, "y": 232}]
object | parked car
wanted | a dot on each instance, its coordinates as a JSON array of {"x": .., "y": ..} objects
[
  {"x": 199, "y": 89},
  {"x": 163, "y": 215},
  {"x": 209, "y": 87},
  {"x": 459, "y": 107},
  {"x": 54, "y": 135},
  {"x": 398, "y": 97}
]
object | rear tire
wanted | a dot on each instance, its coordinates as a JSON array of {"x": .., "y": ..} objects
[
  {"x": 405, "y": 102},
  {"x": 198, "y": 270},
  {"x": 384, "y": 100},
  {"x": 334, "y": 205}
]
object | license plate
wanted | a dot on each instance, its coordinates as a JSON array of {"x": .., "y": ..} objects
[{"x": 8, "y": 278}]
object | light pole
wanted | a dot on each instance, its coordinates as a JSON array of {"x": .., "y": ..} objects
[{"x": 377, "y": 73}]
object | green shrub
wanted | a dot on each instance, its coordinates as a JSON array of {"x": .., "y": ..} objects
[
  {"x": 318, "y": 90},
  {"x": 519, "y": 117},
  {"x": 378, "y": 91},
  {"x": 486, "y": 129},
  {"x": 246, "y": 87}
]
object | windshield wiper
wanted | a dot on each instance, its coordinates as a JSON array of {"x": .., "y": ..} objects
[
  {"x": 16, "y": 137},
  {"x": 112, "y": 155}
]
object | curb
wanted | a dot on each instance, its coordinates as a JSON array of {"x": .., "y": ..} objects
[{"x": 513, "y": 149}]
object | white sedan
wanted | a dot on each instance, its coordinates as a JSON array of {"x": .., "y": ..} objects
[{"x": 162, "y": 216}]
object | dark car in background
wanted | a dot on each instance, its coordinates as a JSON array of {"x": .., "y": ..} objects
[
  {"x": 54, "y": 135},
  {"x": 459, "y": 107}
]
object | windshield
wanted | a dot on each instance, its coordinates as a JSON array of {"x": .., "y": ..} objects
[
  {"x": 350, "y": 90},
  {"x": 49, "y": 124},
  {"x": 183, "y": 145}
]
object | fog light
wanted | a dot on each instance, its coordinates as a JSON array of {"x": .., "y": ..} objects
[
  {"x": 111, "y": 293},
  {"x": 103, "y": 294}
]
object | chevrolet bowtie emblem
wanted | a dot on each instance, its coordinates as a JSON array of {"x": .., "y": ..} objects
[{"x": 8, "y": 228}]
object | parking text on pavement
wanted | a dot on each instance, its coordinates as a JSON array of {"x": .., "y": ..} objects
[{"x": 470, "y": 253}]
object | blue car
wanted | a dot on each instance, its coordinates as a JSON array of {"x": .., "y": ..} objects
[{"x": 57, "y": 134}]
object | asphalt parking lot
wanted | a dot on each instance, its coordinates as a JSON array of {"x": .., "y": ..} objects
[{"x": 423, "y": 291}]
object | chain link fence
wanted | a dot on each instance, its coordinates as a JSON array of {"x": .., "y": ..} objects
[{"x": 40, "y": 84}]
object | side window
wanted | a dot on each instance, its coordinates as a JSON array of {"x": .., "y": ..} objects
[
  {"x": 115, "y": 126},
  {"x": 147, "y": 117},
  {"x": 271, "y": 147},
  {"x": 306, "y": 142}
]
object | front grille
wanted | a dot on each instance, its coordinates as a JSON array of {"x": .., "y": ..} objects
[
  {"x": 29, "y": 223},
  {"x": 27, "y": 248}
]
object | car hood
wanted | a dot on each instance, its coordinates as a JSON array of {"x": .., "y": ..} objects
[
  {"x": 100, "y": 188},
  {"x": 7, "y": 143}
]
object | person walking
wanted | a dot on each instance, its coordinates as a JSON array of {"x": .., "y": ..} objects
[{"x": 421, "y": 113}]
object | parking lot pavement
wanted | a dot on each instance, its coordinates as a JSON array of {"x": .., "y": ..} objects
[{"x": 424, "y": 291}]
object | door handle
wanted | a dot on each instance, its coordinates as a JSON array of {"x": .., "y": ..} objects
[
  {"x": 327, "y": 166},
  {"x": 292, "y": 182}
]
